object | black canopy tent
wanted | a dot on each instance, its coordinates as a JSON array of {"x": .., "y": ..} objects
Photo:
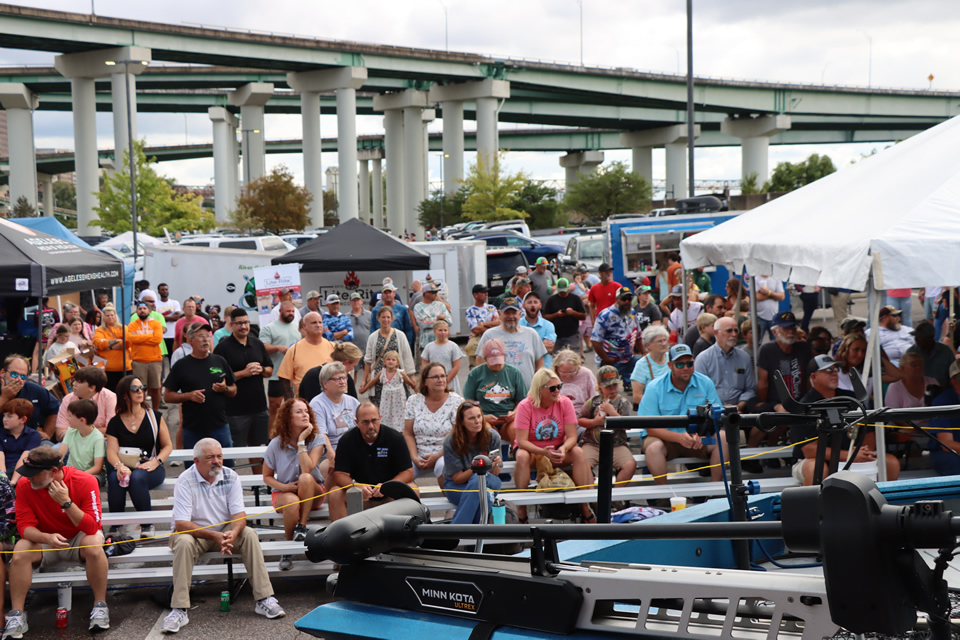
[
  {"x": 357, "y": 244},
  {"x": 34, "y": 264}
]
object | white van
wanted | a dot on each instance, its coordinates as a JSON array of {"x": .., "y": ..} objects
[
  {"x": 508, "y": 225},
  {"x": 256, "y": 243}
]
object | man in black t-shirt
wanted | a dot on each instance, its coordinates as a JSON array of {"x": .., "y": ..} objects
[
  {"x": 202, "y": 382},
  {"x": 248, "y": 359},
  {"x": 369, "y": 455},
  {"x": 565, "y": 311}
]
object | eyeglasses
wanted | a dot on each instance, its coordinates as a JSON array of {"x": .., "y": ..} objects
[
  {"x": 554, "y": 388},
  {"x": 734, "y": 330},
  {"x": 371, "y": 421},
  {"x": 470, "y": 403},
  {"x": 238, "y": 323},
  {"x": 137, "y": 388},
  {"x": 683, "y": 365},
  {"x": 339, "y": 379},
  {"x": 436, "y": 378}
]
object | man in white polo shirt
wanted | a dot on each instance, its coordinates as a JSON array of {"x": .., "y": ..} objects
[{"x": 207, "y": 494}]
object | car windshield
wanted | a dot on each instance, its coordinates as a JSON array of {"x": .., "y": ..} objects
[
  {"x": 592, "y": 249},
  {"x": 504, "y": 263}
]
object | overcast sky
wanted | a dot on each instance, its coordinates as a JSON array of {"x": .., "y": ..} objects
[{"x": 887, "y": 43}]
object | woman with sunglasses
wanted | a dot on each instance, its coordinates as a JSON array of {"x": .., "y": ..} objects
[
  {"x": 546, "y": 425},
  {"x": 469, "y": 438},
  {"x": 138, "y": 442},
  {"x": 428, "y": 418}
]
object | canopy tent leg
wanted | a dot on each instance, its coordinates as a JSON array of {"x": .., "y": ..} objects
[
  {"x": 754, "y": 337},
  {"x": 876, "y": 366},
  {"x": 684, "y": 291}
]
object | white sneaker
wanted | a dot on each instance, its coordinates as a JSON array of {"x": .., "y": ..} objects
[
  {"x": 99, "y": 616},
  {"x": 174, "y": 620},
  {"x": 269, "y": 608},
  {"x": 16, "y": 624},
  {"x": 147, "y": 531}
]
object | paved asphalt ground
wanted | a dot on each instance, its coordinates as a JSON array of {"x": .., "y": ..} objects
[{"x": 135, "y": 612}]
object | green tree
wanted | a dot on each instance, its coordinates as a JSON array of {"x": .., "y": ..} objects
[
  {"x": 439, "y": 210},
  {"x": 615, "y": 189},
  {"x": 23, "y": 208},
  {"x": 331, "y": 207},
  {"x": 65, "y": 195},
  {"x": 789, "y": 176},
  {"x": 275, "y": 202},
  {"x": 491, "y": 195},
  {"x": 159, "y": 207},
  {"x": 540, "y": 203},
  {"x": 749, "y": 184}
]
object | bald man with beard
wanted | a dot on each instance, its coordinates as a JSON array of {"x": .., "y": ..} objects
[{"x": 312, "y": 351}]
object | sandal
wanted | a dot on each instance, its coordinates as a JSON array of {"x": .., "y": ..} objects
[{"x": 591, "y": 519}]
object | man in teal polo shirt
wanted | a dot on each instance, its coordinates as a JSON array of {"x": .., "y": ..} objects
[{"x": 675, "y": 395}]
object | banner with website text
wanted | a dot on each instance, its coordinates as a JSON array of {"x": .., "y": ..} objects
[{"x": 270, "y": 282}]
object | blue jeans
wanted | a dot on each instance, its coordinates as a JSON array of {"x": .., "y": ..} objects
[
  {"x": 220, "y": 434},
  {"x": 468, "y": 504},
  {"x": 944, "y": 462},
  {"x": 626, "y": 370},
  {"x": 764, "y": 327},
  {"x": 140, "y": 484},
  {"x": 810, "y": 302},
  {"x": 929, "y": 308}
]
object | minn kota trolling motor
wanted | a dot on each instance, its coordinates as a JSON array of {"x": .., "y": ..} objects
[{"x": 397, "y": 569}]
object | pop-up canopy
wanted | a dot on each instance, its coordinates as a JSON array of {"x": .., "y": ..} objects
[{"x": 897, "y": 212}]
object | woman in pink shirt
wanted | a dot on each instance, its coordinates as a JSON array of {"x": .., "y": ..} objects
[{"x": 546, "y": 425}]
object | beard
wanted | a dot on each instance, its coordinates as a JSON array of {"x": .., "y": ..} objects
[
  {"x": 216, "y": 470},
  {"x": 43, "y": 484}
]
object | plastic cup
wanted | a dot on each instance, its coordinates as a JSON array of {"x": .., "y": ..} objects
[
  {"x": 123, "y": 479},
  {"x": 677, "y": 503}
]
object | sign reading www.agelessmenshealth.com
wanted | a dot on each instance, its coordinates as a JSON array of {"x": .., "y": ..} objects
[{"x": 74, "y": 278}]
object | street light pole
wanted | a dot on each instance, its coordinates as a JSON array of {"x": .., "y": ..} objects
[
  {"x": 691, "y": 141},
  {"x": 869, "y": 59}
]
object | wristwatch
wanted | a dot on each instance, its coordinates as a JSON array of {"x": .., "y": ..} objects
[{"x": 66, "y": 505}]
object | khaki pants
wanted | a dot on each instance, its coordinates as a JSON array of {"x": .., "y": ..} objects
[
  {"x": 471, "y": 349},
  {"x": 186, "y": 550}
]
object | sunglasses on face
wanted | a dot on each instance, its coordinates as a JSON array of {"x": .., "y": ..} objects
[
  {"x": 683, "y": 365},
  {"x": 20, "y": 376},
  {"x": 137, "y": 388},
  {"x": 554, "y": 388}
]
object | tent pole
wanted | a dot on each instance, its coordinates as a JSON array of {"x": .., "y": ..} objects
[
  {"x": 873, "y": 297},
  {"x": 755, "y": 337},
  {"x": 123, "y": 328},
  {"x": 953, "y": 302},
  {"x": 683, "y": 305}
]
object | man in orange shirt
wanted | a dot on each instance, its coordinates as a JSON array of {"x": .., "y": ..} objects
[
  {"x": 145, "y": 335},
  {"x": 674, "y": 269},
  {"x": 313, "y": 351}
]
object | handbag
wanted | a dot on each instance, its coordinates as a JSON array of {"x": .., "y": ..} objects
[
  {"x": 550, "y": 478},
  {"x": 132, "y": 456}
]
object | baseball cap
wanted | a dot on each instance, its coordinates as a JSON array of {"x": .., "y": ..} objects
[
  {"x": 604, "y": 267},
  {"x": 388, "y": 281},
  {"x": 924, "y": 329},
  {"x": 563, "y": 284},
  {"x": 677, "y": 290},
  {"x": 201, "y": 327},
  {"x": 785, "y": 319},
  {"x": 356, "y": 296},
  {"x": 850, "y": 322},
  {"x": 522, "y": 271},
  {"x": 624, "y": 292},
  {"x": 511, "y": 302},
  {"x": 954, "y": 370},
  {"x": 333, "y": 299},
  {"x": 480, "y": 288},
  {"x": 541, "y": 260},
  {"x": 30, "y": 468},
  {"x": 313, "y": 294},
  {"x": 607, "y": 376},
  {"x": 388, "y": 287},
  {"x": 821, "y": 362},
  {"x": 642, "y": 288},
  {"x": 679, "y": 351},
  {"x": 523, "y": 282},
  {"x": 494, "y": 352},
  {"x": 433, "y": 286},
  {"x": 889, "y": 310}
]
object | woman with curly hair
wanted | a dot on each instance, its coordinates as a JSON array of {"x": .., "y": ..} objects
[{"x": 292, "y": 468}]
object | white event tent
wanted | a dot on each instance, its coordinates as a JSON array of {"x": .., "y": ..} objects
[{"x": 894, "y": 216}]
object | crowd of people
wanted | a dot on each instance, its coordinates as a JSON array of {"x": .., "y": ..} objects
[{"x": 374, "y": 395}]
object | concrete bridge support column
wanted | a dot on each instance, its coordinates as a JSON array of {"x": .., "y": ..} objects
[
  {"x": 404, "y": 142},
  {"x": 363, "y": 179},
  {"x": 46, "y": 183},
  {"x": 124, "y": 77},
  {"x": 251, "y": 98},
  {"x": 578, "y": 163},
  {"x": 19, "y": 103},
  {"x": 428, "y": 116},
  {"x": 642, "y": 162},
  {"x": 754, "y": 134},
  {"x": 312, "y": 147},
  {"x": 224, "y": 161},
  {"x": 674, "y": 139},
  {"x": 344, "y": 81},
  {"x": 377, "y": 180},
  {"x": 452, "y": 146},
  {"x": 82, "y": 69},
  {"x": 486, "y": 95},
  {"x": 393, "y": 141}
]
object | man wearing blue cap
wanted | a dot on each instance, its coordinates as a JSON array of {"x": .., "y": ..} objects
[{"x": 675, "y": 395}]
